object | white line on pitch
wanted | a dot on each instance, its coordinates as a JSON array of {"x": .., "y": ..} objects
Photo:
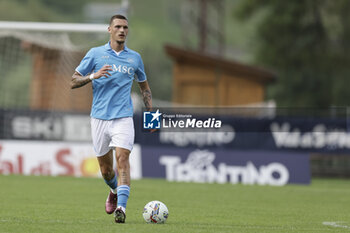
[{"x": 336, "y": 224}]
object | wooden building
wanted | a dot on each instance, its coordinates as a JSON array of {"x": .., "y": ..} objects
[
  {"x": 53, "y": 58},
  {"x": 50, "y": 86},
  {"x": 206, "y": 80}
]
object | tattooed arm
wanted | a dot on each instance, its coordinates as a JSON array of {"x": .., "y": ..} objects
[
  {"x": 146, "y": 95},
  {"x": 79, "y": 80}
]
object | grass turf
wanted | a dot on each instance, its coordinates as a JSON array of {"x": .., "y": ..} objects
[{"x": 66, "y": 204}]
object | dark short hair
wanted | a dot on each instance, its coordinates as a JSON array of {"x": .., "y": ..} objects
[{"x": 117, "y": 17}]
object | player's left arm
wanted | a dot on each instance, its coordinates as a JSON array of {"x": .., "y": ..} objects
[{"x": 146, "y": 94}]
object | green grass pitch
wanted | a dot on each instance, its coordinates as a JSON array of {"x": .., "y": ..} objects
[{"x": 66, "y": 204}]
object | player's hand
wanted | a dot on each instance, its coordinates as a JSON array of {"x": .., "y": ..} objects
[{"x": 103, "y": 72}]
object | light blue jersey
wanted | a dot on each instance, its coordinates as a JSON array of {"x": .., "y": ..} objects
[{"x": 111, "y": 96}]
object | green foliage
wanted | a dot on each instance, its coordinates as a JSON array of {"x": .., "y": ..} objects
[
  {"x": 151, "y": 26},
  {"x": 15, "y": 81},
  {"x": 305, "y": 42},
  {"x": 44, "y": 10},
  {"x": 30, "y": 10},
  {"x": 70, "y": 8},
  {"x": 149, "y": 30},
  {"x": 153, "y": 23}
]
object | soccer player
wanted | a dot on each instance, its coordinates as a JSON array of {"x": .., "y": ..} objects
[{"x": 112, "y": 68}]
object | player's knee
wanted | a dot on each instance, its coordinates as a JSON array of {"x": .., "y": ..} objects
[{"x": 123, "y": 161}]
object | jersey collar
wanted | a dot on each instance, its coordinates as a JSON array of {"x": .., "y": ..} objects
[{"x": 109, "y": 48}]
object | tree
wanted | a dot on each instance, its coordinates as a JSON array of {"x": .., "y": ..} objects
[{"x": 307, "y": 44}]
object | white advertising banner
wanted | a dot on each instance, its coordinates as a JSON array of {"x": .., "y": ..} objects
[{"x": 56, "y": 159}]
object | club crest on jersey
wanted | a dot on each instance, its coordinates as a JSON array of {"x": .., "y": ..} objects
[{"x": 123, "y": 69}]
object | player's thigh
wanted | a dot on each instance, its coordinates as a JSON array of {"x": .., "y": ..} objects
[
  {"x": 100, "y": 136},
  {"x": 122, "y": 135},
  {"x": 106, "y": 161}
]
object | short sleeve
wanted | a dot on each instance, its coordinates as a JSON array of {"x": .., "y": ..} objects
[
  {"x": 140, "y": 71},
  {"x": 86, "y": 65}
]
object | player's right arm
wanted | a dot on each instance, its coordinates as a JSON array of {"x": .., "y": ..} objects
[{"x": 78, "y": 80}]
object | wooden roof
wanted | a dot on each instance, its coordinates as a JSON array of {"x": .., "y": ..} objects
[{"x": 191, "y": 57}]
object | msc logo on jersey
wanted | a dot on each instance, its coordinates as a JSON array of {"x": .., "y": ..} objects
[
  {"x": 151, "y": 120},
  {"x": 123, "y": 69}
]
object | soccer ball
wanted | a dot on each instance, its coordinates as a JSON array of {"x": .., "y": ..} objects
[{"x": 155, "y": 212}]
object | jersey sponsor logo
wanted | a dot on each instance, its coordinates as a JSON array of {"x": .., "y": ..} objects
[{"x": 123, "y": 69}]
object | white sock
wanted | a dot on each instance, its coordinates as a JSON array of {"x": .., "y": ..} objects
[{"x": 121, "y": 207}]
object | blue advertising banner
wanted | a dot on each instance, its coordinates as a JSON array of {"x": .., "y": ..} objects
[
  {"x": 293, "y": 134},
  {"x": 278, "y": 134},
  {"x": 225, "y": 166}
]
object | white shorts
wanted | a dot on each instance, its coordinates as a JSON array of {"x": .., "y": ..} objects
[{"x": 108, "y": 134}]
